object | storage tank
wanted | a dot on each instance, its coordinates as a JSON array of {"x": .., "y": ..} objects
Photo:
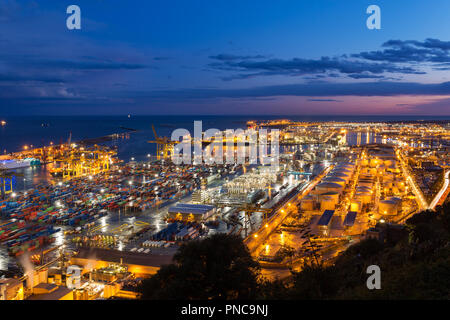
[
  {"x": 365, "y": 197},
  {"x": 345, "y": 165},
  {"x": 327, "y": 203},
  {"x": 400, "y": 184},
  {"x": 344, "y": 169},
  {"x": 389, "y": 162},
  {"x": 388, "y": 184},
  {"x": 355, "y": 205},
  {"x": 388, "y": 176},
  {"x": 387, "y": 208},
  {"x": 363, "y": 190},
  {"x": 398, "y": 201},
  {"x": 332, "y": 194},
  {"x": 337, "y": 180},
  {"x": 307, "y": 203},
  {"x": 328, "y": 186},
  {"x": 340, "y": 175},
  {"x": 375, "y": 162},
  {"x": 365, "y": 183},
  {"x": 395, "y": 190}
]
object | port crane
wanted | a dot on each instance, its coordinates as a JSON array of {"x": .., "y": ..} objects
[
  {"x": 6, "y": 181},
  {"x": 164, "y": 146}
]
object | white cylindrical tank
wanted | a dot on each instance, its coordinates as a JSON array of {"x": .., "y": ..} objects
[
  {"x": 307, "y": 204},
  {"x": 365, "y": 197},
  {"x": 340, "y": 175},
  {"x": 387, "y": 208},
  {"x": 327, "y": 203},
  {"x": 327, "y": 187},
  {"x": 398, "y": 201},
  {"x": 337, "y": 180},
  {"x": 332, "y": 194},
  {"x": 389, "y": 162}
]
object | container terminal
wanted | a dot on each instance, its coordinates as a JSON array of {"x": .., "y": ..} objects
[{"x": 98, "y": 225}]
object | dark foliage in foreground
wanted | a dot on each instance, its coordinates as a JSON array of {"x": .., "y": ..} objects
[
  {"x": 219, "y": 267},
  {"x": 414, "y": 266}
]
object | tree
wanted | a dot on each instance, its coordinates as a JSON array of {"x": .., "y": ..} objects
[
  {"x": 219, "y": 267},
  {"x": 315, "y": 282}
]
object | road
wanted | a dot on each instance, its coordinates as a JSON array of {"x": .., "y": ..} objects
[
  {"x": 255, "y": 240},
  {"x": 423, "y": 205},
  {"x": 441, "y": 192}
]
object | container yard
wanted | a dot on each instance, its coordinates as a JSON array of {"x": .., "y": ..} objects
[{"x": 100, "y": 210}]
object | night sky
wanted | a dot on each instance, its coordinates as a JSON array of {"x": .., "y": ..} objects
[{"x": 224, "y": 57}]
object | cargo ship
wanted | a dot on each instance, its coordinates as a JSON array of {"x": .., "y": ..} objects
[{"x": 19, "y": 163}]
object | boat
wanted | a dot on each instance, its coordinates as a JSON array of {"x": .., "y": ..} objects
[{"x": 19, "y": 163}]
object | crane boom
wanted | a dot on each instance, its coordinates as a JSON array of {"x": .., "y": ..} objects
[{"x": 154, "y": 132}]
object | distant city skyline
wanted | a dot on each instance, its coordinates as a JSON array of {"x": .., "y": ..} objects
[{"x": 224, "y": 57}]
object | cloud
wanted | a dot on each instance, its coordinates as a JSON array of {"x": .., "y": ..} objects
[
  {"x": 232, "y": 57},
  {"x": 76, "y": 64},
  {"x": 409, "y": 51},
  {"x": 365, "y": 76},
  {"x": 300, "y": 66},
  {"x": 397, "y": 56},
  {"x": 367, "y": 89},
  {"x": 324, "y": 100},
  {"x": 27, "y": 78},
  {"x": 436, "y": 107},
  {"x": 161, "y": 58}
]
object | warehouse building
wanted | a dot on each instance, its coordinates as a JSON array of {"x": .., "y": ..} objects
[
  {"x": 191, "y": 212},
  {"x": 324, "y": 222}
]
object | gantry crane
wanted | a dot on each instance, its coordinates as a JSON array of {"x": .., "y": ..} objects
[
  {"x": 6, "y": 181},
  {"x": 164, "y": 146},
  {"x": 77, "y": 162}
]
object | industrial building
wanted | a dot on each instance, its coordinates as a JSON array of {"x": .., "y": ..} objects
[
  {"x": 349, "y": 220},
  {"x": 324, "y": 222},
  {"x": 11, "y": 289},
  {"x": 140, "y": 264},
  {"x": 191, "y": 212}
]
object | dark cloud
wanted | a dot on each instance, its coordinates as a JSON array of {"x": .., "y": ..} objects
[
  {"x": 397, "y": 56},
  {"x": 232, "y": 57},
  {"x": 409, "y": 51},
  {"x": 21, "y": 78},
  {"x": 299, "y": 66},
  {"x": 365, "y": 76},
  {"x": 83, "y": 65}
]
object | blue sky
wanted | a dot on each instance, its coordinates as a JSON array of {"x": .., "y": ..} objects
[{"x": 224, "y": 57}]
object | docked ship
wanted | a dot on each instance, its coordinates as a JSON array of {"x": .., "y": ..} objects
[{"x": 19, "y": 163}]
